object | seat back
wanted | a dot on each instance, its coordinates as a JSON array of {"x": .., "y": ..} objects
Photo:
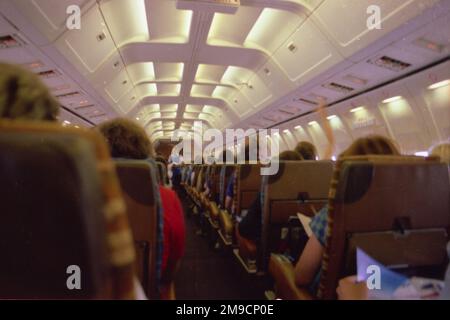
[
  {"x": 199, "y": 182},
  {"x": 60, "y": 206},
  {"x": 161, "y": 173},
  {"x": 141, "y": 194},
  {"x": 194, "y": 178},
  {"x": 298, "y": 187},
  {"x": 215, "y": 182},
  {"x": 247, "y": 184},
  {"x": 226, "y": 173},
  {"x": 396, "y": 209}
]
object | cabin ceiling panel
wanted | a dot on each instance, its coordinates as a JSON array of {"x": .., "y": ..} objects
[
  {"x": 48, "y": 16},
  {"x": 90, "y": 46},
  {"x": 306, "y": 54},
  {"x": 354, "y": 34}
]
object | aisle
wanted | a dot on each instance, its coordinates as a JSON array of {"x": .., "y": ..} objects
[{"x": 206, "y": 274}]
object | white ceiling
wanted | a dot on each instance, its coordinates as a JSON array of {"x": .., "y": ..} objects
[{"x": 168, "y": 67}]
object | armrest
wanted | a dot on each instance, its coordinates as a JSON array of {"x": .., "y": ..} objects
[
  {"x": 226, "y": 222},
  {"x": 247, "y": 248},
  {"x": 283, "y": 273},
  {"x": 214, "y": 210}
]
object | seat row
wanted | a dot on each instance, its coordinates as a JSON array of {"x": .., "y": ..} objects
[{"x": 395, "y": 208}]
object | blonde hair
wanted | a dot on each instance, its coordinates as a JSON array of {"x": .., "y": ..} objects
[
  {"x": 442, "y": 151},
  {"x": 126, "y": 139},
  {"x": 24, "y": 96}
]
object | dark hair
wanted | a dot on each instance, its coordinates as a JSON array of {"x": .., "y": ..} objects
[
  {"x": 126, "y": 139},
  {"x": 373, "y": 144},
  {"x": 24, "y": 96},
  {"x": 290, "y": 155},
  {"x": 306, "y": 150},
  {"x": 226, "y": 154}
]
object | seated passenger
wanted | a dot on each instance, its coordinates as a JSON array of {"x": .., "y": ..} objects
[
  {"x": 307, "y": 270},
  {"x": 306, "y": 150},
  {"x": 442, "y": 151},
  {"x": 250, "y": 225},
  {"x": 230, "y": 187},
  {"x": 128, "y": 140},
  {"x": 23, "y": 95},
  {"x": 162, "y": 170}
]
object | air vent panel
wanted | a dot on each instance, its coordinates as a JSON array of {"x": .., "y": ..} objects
[
  {"x": 338, "y": 87},
  {"x": 10, "y": 41},
  {"x": 69, "y": 95},
  {"x": 48, "y": 74},
  {"x": 310, "y": 102},
  {"x": 390, "y": 63}
]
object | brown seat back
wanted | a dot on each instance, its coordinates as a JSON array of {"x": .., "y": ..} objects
[
  {"x": 60, "y": 206},
  {"x": 215, "y": 182},
  {"x": 140, "y": 190},
  {"x": 200, "y": 178},
  {"x": 397, "y": 209},
  {"x": 247, "y": 184},
  {"x": 298, "y": 186},
  {"x": 226, "y": 174}
]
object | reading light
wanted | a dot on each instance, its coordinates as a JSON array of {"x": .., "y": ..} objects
[
  {"x": 392, "y": 99},
  {"x": 138, "y": 119},
  {"x": 439, "y": 84},
  {"x": 357, "y": 109},
  {"x": 331, "y": 117}
]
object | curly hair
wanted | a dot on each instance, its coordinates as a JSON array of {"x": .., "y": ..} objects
[
  {"x": 126, "y": 139},
  {"x": 24, "y": 96}
]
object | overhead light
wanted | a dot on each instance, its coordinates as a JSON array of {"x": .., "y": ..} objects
[
  {"x": 138, "y": 119},
  {"x": 421, "y": 154},
  {"x": 77, "y": 127},
  {"x": 297, "y": 127},
  {"x": 357, "y": 109},
  {"x": 286, "y": 131},
  {"x": 312, "y": 123},
  {"x": 392, "y": 99},
  {"x": 66, "y": 122},
  {"x": 333, "y": 158},
  {"x": 331, "y": 117},
  {"x": 439, "y": 84}
]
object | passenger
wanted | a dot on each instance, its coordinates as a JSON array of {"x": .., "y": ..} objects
[
  {"x": 162, "y": 170},
  {"x": 230, "y": 186},
  {"x": 24, "y": 96},
  {"x": 306, "y": 150},
  {"x": 128, "y": 140},
  {"x": 307, "y": 270},
  {"x": 442, "y": 151},
  {"x": 250, "y": 225}
]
